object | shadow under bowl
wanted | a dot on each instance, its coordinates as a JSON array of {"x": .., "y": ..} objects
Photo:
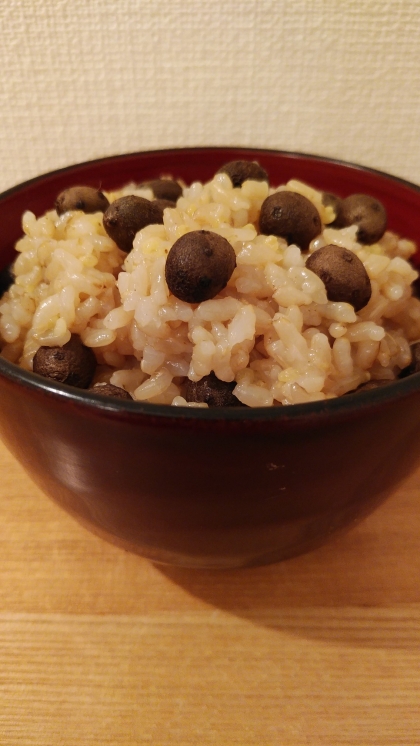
[{"x": 211, "y": 488}]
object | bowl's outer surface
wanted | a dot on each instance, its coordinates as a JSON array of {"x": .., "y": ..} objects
[{"x": 204, "y": 488}]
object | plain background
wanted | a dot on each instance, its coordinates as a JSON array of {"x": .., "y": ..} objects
[{"x": 89, "y": 78}]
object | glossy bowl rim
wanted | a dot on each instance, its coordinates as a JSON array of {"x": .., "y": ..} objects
[{"x": 346, "y": 404}]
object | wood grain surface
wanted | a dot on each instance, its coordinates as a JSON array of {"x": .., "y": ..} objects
[{"x": 101, "y": 647}]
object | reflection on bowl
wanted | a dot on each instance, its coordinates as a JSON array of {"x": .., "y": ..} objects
[{"x": 208, "y": 487}]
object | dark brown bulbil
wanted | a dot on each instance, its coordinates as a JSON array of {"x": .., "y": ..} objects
[
  {"x": 164, "y": 189},
  {"x": 212, "y": 391},
  {"x": 240, "y": 171},
  {"x": 7, "y": 278},
  {"x": 73, "y": 363},
  {"x": 343, "y": 275},
  {"x": 414, "y": 366},
  {"x": 81, "y": 198},
  {"x": 108, "y": 389},
  {"x": 162, "y": 203},
  {"x": 331, "y": 200},
  {"x": 291, "y": 216},
  {"x": 367, "y": 213},
  {"x": 415, "y": 357},
  {"x": 199, "y": 265},
  {"x": 128, "y": 215}
]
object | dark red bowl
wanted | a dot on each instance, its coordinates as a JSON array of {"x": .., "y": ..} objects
[{"x": 211, "y": 488}]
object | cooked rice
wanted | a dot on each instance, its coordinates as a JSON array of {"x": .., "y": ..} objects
[{"x": 272, "y": 329}]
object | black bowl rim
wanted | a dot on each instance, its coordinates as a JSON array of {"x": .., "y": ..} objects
[{"x": 347, "y": 404}]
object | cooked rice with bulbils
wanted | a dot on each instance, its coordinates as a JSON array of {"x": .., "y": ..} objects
[{"x": 272, "y": 329}]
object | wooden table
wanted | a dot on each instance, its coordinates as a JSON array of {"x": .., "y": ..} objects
[{"x": 99, "y": 647}]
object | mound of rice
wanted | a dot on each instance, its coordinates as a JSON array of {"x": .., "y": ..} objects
[{"x": 272, "y": 329}]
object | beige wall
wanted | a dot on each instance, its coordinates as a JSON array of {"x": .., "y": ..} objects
[{"x": 86, "y": 78}]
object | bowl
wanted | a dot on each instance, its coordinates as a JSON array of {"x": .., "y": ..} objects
[{"x": 209, "y": 488}]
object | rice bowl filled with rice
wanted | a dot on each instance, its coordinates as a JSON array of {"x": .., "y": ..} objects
[{"x": 271, "y": 333}]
